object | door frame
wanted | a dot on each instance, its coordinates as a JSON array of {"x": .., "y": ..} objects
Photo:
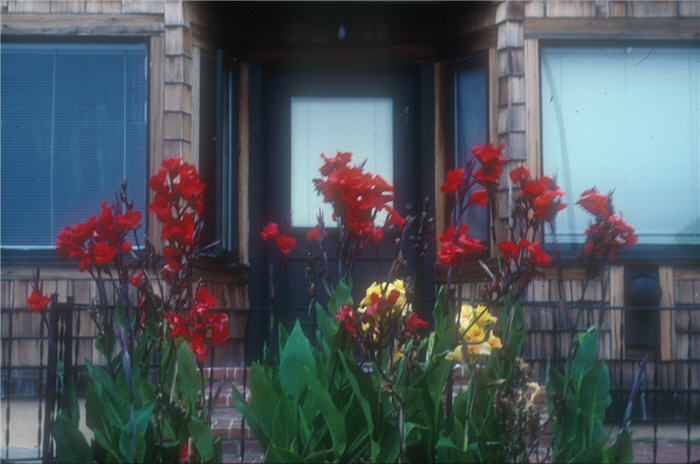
[{"x": 260, "y": 195}]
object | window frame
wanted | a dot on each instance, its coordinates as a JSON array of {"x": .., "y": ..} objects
[
  {"x": 639, "y": 254},
  {"x": 476, "y": 60},
  {"x": 223, "y": 217},
  {"x": 49, "y": 254}
]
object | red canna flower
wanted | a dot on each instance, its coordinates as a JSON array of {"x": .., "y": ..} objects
[
  {"x": 492, "y": 162},
  {"x": 415, "y": 324},
  {"x": 332, "y": 164},
  {"x": 185, "y": 454},
  {"x": 449, "y": 252},
  {"x": 37, "y": 301},
  {"x": 470, "y": 244},
  {"x": 314, "y": 235},
  {"x": 168, "y": 274},
  {"x": 454, "y": 181},
  {"x": 286, "y": 244},
  {"x": 271, "y": 230},
  {"x": 137, "y": 280},
  {"x": 595, "y": 203},
  {"x": 178, "y": 325},
  {"x": 479, "y": 197},
  {"x": 347, "y": 316},
  {"x": 509, "y": 250},
  {"x": 104, "y": 254},
  {"x": 204, "y": 297},
  {"x": 520, "y": 175}
]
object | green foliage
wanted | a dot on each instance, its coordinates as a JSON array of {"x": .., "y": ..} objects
[
  {"x": 130, "y": 409},
  {"x": 321, "y": 403},
  {"x": 577, "y": 400}
]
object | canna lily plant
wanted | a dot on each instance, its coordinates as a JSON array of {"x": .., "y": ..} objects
[
  {"x": 156, "y": 330},
  {"x": 374, "y": 381}
]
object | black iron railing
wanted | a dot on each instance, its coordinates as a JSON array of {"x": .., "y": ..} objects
[{"x": 669, "y": 395}]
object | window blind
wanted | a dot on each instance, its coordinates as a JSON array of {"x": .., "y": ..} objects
[{"x": 74, "y": 126}]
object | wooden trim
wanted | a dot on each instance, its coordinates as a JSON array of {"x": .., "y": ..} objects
[
  {"x": 493, "y": 95},
  {"x": 243, "y": 163},
  {"x": 686, "y": 274},
  {"x": 196, "y": 93},
  {"x": 533, "y": 129},
  {"x": 666, "y": 324},
  {"x": 440, "y": 147},
  {"x": 617, "y": 298},
  {"x": 470, "y": 42},
  {"x": 81, "y": 24},
  {"x": 612, "y": 28},
  {"x": 284, "y": 53},
  {"x": 155, "y": 125}
]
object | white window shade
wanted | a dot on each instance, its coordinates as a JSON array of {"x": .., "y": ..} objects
[
  {"x": 363, "y": 126},
  {"x": 628, "y": 119}
]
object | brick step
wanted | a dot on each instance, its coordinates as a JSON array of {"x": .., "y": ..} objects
[{"x": 253, "y": 451}]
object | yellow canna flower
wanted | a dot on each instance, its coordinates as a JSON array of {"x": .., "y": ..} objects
[
  {"x": 486, "y": 317},
  {"x": 481, "y": 348},
  {"x": 400, "y": 287},
  {"x": 374, "y": 289},
  {"x": 456, "y": 355},
  {"x": 475, "y": 334},
  {"x": 494, "y": 341},
  {"x": 465, "y": 315}
]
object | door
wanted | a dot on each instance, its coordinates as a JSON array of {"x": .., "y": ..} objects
[{"x": 374, "y": 113}]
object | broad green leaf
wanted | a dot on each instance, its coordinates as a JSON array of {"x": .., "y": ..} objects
[
  {"x": 263, "y": 399},
  {"x": 71, "y": 445},
  {"x": 319, "y": 456},
  {"x": 327, "y": 325},
  {"x": 342, "y": 295},
  {"x": 202, "y": 437},
  {"x": 142, "y": 417},
  {"x": 253, "y": 420},
  {"x": 363, "y": 388},
  {"x": 333, "y": 417},
  {"x": 277, "y": 454},
  {"x": 284, "y": 423},
  {"x": 296, "y": 356},
  {"x": 189, "y": 381}
]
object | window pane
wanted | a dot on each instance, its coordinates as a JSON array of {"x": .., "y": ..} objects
[
  {"x": 471, "y": 128},
  {"x": 363, "y": 126},
  {"x": 91, "y": 103},
  {"x": 626, "y": 119}
]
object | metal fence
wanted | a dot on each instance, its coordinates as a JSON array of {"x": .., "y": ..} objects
[{"x": 669, "y": 396}]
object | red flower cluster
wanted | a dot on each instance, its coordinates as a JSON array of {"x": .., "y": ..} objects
[
  {"x": 177, "y": 204},
  {"x": 415, "y": 324},
  {"x": 455, "y": 179},
  {"x": 37, "y": 301},
  {"x": 100, "y": 239},
  {"x": 357, "y": 197},
  {"x": 541, "y": 195},
  {"x": 492, "y": 162},
  {"x": 204, "y": 329},
  {"x": 458, "y": 246},
  {"x": 609, "y": 233},
  {"x": 524, "y": 251},
  {"x": 285, "y": 242},
  {"x": 348, "y": 317},
  {"x": 314, "y": 235},
  {"x": 596, "y": 203}
]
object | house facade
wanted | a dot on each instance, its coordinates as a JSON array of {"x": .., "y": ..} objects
[{"x": 601, "y": 92}]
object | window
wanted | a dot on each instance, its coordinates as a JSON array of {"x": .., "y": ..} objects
[
  {"x": 361, "y": 125},
  {"x": 74, "y": 126},
  {"x": 471, "y": 91},
  {"x": 217, "y": 153},
  {"x": 626, "y": 118}
]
